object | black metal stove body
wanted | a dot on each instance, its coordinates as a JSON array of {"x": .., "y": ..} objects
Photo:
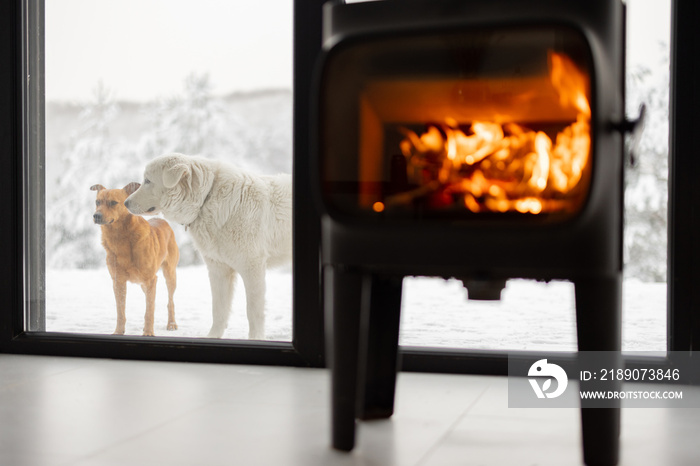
[
  {"x": 402, "y": 85},
  {"x": 360, "y": 41}
]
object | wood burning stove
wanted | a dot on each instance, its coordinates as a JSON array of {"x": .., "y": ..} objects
[{"x": 468, "y": 139}]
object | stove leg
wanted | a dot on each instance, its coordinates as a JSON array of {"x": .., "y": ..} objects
[
  {"x": 343, "y": 302},
  {"x": 598, "y": 320},
  {"x": 379, "y": 344}
]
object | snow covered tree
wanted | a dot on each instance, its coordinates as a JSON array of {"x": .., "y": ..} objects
[
  {"x": 251, "y": 129},
  {"x": 261, "y": 131},
  {"x": 91, "y": 156},
  {"x": 646, "y": 194},
  {"x": 191, "y": 123}
]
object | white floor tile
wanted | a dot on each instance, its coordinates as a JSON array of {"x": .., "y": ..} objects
[{"x": 84, "y": 412}]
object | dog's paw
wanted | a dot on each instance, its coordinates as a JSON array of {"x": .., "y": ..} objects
[
  {"x": 118, "y": 332},
  {"x": 149, "y": 333},
  {"x": 172, "y": 326},
  {"x": 215, "y": 333}
]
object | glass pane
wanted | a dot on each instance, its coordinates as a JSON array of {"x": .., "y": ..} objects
[
  {"x": 461, "y": 125},
  {"x": 646, "y": 196},
  {"x": 541, "y": 316},
  {"x": 130, "y": 80}
]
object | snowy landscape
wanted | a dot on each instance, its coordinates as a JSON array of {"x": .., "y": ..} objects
[
  {"x": 109, "y": 142},
  {"x": 531, "y": 315},
  {"x": 104, "y": 137}
]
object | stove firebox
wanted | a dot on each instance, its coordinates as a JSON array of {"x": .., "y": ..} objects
[
  {"x": 451, "y": 124},
  {"x": 468, "y": 139}
]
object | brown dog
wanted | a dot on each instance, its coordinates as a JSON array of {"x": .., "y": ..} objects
[{"x": 136, "y": 249}]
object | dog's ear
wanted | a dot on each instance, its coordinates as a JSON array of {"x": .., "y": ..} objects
[
  {"x": 173, "y": 175},
  {"x": 131, "y": 188},
  {"x": 97, "y": 187}
]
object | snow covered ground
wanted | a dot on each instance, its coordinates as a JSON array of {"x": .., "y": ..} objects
[
  {"x": 531, "y": 315},
  {"x": 82, "y": 301}
]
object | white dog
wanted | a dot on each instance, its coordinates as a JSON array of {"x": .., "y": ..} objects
[{"x": 240, "y": 223}]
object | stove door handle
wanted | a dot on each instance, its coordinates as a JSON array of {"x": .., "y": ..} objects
[{"x": 633, "y": 129}]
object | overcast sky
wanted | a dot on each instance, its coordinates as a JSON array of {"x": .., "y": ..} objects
[
  {"x": 648, "y": 24},
  {"x": 143, "y": 49}
]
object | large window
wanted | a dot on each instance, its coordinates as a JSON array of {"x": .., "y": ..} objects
[
  {"x": 126, "y": 82},
  {"x": 112, "y": 85},
  {"x": 95, "y": 89}
]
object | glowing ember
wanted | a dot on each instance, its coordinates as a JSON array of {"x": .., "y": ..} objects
[
  {"x": 378, "y": 207},
  {"x": 492, "y": 167}
]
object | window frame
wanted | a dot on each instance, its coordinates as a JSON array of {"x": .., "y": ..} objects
[
  {"x": 684, "y": 218},
  {"x": 307, "y": 345},
  {"x": 21, "y": 134}
]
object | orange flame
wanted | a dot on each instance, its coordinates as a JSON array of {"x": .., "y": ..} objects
[
  {"x": 570, "y": 83},
  {"x": 495, "y": 167}
]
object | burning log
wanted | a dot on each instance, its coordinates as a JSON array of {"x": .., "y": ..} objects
[
  {"x": 409, "y": 197},
  {"x": 487, "y": 166}
]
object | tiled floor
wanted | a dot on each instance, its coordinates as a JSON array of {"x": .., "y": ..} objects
[{"x": 63, "y": 411}]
